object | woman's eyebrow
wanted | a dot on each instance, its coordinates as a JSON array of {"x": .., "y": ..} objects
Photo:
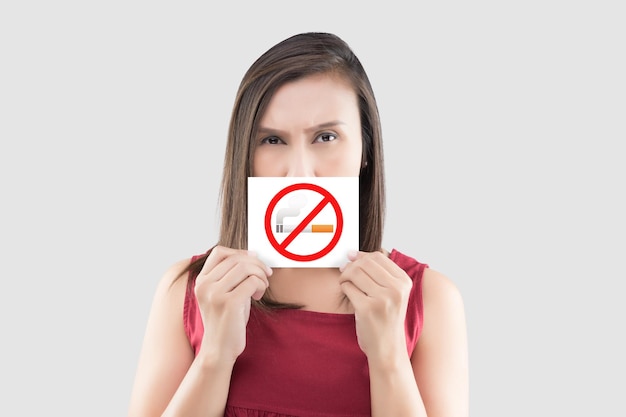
[
  {"x": 326, "y": 125},
  {"x": 269, "y": 130}
]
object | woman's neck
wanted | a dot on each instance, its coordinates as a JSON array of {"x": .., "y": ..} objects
[{"x": 316, "y": 289}]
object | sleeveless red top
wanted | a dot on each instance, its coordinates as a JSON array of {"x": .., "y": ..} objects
[{"x": 304, "y": 363}]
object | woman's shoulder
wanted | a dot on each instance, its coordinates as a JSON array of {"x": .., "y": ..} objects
[
  {"x": 443, "y": 303},
  {"x": 175, "y": 271},
  {"x": 436, "y": 287},
  {"x": 173, "y": 282},
  {"x": 409, "y": 264}
]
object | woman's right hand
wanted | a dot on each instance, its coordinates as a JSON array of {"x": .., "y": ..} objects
[{"x": 224, "y": 288}]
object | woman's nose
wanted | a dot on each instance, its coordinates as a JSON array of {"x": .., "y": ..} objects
[{"x": 300, "y": 164}]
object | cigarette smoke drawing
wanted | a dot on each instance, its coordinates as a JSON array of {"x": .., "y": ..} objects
[{"x": 296, "y": 203}]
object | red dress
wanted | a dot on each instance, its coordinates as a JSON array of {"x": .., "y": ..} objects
[{"x": 304, "y": 363}]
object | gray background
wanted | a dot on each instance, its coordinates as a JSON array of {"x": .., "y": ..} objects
[{"x": 502, "y": 123}]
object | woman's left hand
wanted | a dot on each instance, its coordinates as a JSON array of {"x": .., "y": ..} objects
[{"x": 379, "y": 292}]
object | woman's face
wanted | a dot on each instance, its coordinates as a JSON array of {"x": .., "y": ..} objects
[{"x": 311, "y": 128}]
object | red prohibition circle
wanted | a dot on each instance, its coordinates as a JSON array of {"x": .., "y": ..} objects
[{"x": 283, "y": 250}]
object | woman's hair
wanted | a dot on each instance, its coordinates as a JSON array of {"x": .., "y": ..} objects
[{"x": 292, "y": 59}]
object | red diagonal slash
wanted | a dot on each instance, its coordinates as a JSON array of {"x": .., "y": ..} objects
[{"x": 295, "y": 232}]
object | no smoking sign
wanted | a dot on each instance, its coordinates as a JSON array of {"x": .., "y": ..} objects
[{"x": 307, "y": 222}]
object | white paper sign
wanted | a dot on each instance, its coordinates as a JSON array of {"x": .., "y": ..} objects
[{"x": 303, "y": 222}]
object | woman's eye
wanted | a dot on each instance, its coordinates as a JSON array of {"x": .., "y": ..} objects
[
  {"x": 326, "y": 137},
  {"x": 272, "y": 140}
]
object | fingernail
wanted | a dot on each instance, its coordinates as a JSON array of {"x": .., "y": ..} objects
[
  {"x": 251, "y": 253},
  {"x": 269, "y": 270},
  {"x": 352, "y": 254}
]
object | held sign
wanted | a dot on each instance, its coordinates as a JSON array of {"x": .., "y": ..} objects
[{"x": 308, "y": 222}]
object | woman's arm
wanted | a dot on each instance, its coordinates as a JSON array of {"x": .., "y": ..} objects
[
  {"x": 166, "y": 355},
  {"x": 169, "y": 380},
  {"x": 393, "y": 389},
  {"x": 440, "y": 359},
  {"x": 433, "y": 380},
  {"x": 379, "y": 290}
]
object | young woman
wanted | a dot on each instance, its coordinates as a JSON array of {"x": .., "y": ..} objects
[{"x": 384, "y": 335}]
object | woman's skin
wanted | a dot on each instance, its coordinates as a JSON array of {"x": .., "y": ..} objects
[{"x": 311, "y": 128}]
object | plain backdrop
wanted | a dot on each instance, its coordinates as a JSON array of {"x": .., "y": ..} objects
[{"x": 504, "y": 128}]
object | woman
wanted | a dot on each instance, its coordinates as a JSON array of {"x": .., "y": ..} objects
[{"x": 384, "y": 335}]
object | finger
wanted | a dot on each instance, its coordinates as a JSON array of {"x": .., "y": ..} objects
[
  {"x": 352, "y": 256},
  {"x": 217, "y": 255},
  {"x": 381, "y": 259},
  {"x": 386, "y": 272},
  {"x": 361, "y": 279},
  {"x": 238, "y": 274},
  {"x": 235, "y": 260},
  {"x": 390, "y": 266},
  {"x": 251, "y": 286},
  {"x": 355, "y": 295},
  {"x": 242, "y": 261},
  {"x": 374, "y": 270},
  {"x": 350, "y": 260}
]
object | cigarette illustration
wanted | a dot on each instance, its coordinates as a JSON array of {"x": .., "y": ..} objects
[
  {"x": 313, "y": 228},
  {"x": 296, "y": 203}
]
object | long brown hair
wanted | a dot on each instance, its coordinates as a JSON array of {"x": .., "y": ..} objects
[{"x": 294, "y": 58}]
